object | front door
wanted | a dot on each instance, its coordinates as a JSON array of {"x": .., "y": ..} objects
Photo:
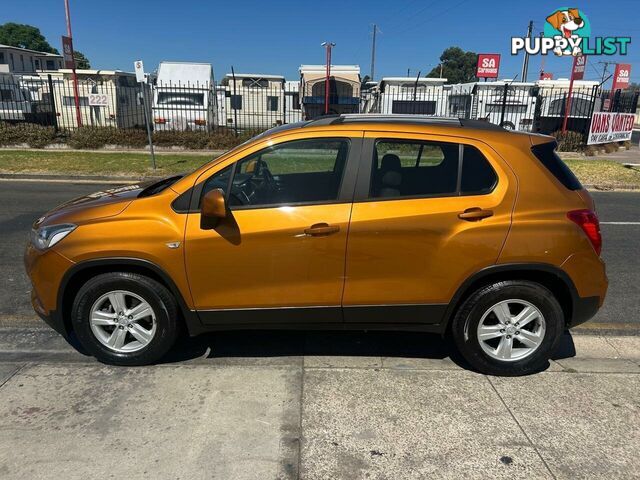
[
  {"x": 279, "y": 255},
  {"x": 428, "y": 212}
]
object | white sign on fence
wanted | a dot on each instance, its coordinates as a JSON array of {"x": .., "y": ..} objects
[
  {"x": 610, "y": 127},
  {"x": 98, "y": 100}
]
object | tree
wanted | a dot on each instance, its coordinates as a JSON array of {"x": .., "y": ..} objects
[
  {"x": 82, "y": 62},
  {"x": 458, "y": 66},
  {"x": 24, "y": 36}
]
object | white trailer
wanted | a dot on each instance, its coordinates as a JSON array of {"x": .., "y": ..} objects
[
  {"x": 14, "y": 102},
  {"x": 254, "y": 100},
  {"x": 407, "y": 95},
  {"x": 184, "y": 97},
  {"x": 506, "y": 103}
]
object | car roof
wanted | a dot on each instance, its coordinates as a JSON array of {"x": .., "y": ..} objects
[{"x": 395, "y": 120}]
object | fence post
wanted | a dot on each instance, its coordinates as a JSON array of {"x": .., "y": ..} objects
[
  {"x": 52, "y": 96},
  {"x": 147, "y": 121},
  {"x": 234, "y": 98},
  {"x": 284, "y": 107},
  {"x": 504, "y": 103}
]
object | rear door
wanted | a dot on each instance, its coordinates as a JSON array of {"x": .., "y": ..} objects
[{"x": 428, "y": 212}]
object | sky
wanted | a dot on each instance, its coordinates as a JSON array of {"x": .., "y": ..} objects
[{"x": 277, "y": 37}]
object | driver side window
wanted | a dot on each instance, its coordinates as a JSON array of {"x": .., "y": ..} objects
[{"x": 297, "y": 172}]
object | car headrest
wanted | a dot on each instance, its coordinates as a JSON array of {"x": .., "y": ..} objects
[{"x": 390, "y": 162}]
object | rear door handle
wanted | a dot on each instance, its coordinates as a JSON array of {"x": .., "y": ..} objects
[
  {"x": 474, "y": 214},
  {"x": 321, "y": 230}
]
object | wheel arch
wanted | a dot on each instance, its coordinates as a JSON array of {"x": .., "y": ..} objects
[
  {"x": 77, "y": 275},
  {"x": 549, "y": 276}
]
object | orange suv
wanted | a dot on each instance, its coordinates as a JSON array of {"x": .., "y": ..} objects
[{"x": 345, "y": 222}]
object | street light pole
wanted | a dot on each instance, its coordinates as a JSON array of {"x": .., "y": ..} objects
[
  {"x": 328, "y": 46},
  {"x": 76, "y": 96}
]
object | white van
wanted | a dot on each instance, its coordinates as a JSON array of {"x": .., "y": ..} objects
[{"x": 184, "y": 97}]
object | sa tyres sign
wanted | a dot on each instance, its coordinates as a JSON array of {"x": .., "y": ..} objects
[
  {"x": 610, "y": 127},
  {"x": 621, "y": 76},
  {"x": 579, "y": 66},
  {"x": 488, "y": 65}
]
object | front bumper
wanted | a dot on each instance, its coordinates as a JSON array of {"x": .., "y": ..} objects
[{"x": 46, "y": 270}]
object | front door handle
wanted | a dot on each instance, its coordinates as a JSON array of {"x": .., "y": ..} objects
[
  {"x": 474, "y": 214},
  {"x": 321, "y": 230}
]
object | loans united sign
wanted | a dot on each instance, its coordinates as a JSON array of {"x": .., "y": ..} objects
[
  {"x": 488, "y": 65},
  {"x": 610, "y": 127}
]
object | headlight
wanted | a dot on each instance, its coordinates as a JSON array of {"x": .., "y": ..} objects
[{"x": 46, "y": 237}]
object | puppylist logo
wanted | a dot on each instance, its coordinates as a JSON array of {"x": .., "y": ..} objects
[{"x": 567, "y": 31}]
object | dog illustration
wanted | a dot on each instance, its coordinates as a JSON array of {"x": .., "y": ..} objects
[{"x": 567, "y": 22}]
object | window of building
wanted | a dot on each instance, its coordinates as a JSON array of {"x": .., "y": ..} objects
[
  {"x": 181, "y": 99},
  {"x": 272, "y": 104},
  {"x": 236, "y": 102},
  {"x": 7, "y": 95},
  {"x": 417, "y": 107},
  {"x": 13, "y": 66},
  {"x": 2, "y": 59},
  {"x": 37, "y": 64},
  {"x": 69, "y": 101},
  {"x": 22, "y": 61},
  {"x": 297, "y": 172},
  {"x": 255, "y": 82},
  {"x": 51, "y": 65}
]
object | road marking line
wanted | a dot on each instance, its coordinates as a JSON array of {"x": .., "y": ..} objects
[{"x": 619, "y": 223}]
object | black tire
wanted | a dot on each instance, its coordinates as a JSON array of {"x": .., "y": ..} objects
[
  {"x": 154, "y": 293},
  {"x": 465, "y": 325}
]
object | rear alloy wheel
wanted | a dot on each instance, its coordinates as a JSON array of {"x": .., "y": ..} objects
[
  {"x": 508, "y": 328},
  {"x": 511, "y": 330},
  {"x": 125, "y": 318}
]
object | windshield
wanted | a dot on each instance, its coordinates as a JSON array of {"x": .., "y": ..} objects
[{"x": 180, "y": 98}]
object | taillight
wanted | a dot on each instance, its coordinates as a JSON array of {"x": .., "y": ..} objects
[
  {"x": 200, "y": 121},
  {"x": 588, "y": 221},
  {"x": 160, "y": 120}
]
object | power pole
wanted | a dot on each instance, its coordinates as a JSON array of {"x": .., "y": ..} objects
[
  {"x": 328, "y": 46},
  {"x": 604, "y": 70},
  {"x": 373, "y": 52},
  {"x": 525, "y": 63},
  {"x": 74, "y": 76}
]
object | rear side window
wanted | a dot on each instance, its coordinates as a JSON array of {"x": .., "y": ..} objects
[
  {"x": 414, "y": 168},
  {"x": 547, "y": 155},
  {"x": 478, "y": 177}
]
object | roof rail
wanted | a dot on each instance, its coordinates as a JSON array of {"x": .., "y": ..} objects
[{"x": 401, "y": 119}]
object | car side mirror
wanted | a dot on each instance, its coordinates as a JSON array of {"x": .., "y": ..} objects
[{"x": 213, "y": 208}]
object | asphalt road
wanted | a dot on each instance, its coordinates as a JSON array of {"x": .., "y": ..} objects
[{"x": 21, "y": 202}]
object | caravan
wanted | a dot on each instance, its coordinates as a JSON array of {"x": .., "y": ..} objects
[
  {"x": 254, "y": 101},
  {"x": 14, "y": 104},
  {"x": 407, "y": 95},
  {"x": 344, "y": 90},
  {"x": 184, "y": 97},
  {"x": 506, "y": 103},
  {"x": 106, "y": 98}
]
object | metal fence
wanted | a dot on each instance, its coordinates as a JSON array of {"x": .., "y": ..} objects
[{"x": 116, "y": 100}]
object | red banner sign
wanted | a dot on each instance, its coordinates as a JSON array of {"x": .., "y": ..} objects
[
  {"x": 621, "y": 76},
  {"x": 67, "y": 52},
  {"x": 579, "y": 66},
  {"x": 488, "y": 65}
]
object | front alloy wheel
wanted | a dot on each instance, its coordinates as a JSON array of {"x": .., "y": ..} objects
[
  {"x": 124, "y": 318},
  {"x": 123, "y": 321}
]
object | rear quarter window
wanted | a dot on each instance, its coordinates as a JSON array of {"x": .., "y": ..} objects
[{"x": 546, "y": 153}]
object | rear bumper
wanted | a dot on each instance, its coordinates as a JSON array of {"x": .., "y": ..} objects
[{"x": 584, "y": 308}]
